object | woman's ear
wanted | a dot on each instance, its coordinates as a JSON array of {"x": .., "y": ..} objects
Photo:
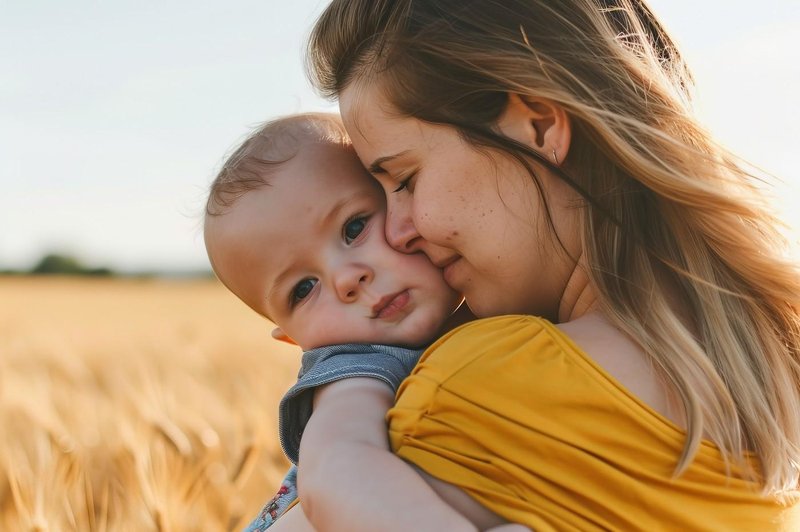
[
  {"x": 281, "y": 336},
  {"x": 539, "y": 123}
]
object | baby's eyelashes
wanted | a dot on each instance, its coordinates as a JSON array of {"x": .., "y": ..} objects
[
  {"x": 301, "y": 290},
  {"x": 353, "y": 228}
]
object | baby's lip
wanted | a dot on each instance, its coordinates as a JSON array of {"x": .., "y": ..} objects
[{"x": 390, "y": 304}]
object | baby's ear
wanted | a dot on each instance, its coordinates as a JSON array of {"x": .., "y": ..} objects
[{"x": 278, "y": 334}]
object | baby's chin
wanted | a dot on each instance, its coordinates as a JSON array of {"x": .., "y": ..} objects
[
  {"x": 411, "y": 334},
  {"x": 423, "y": 336}
]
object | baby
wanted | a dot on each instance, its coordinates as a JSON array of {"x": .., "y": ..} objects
[{"x": 295, "y": 229}]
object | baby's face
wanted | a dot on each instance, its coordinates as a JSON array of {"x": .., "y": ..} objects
[{"x": 309, "y": 251}]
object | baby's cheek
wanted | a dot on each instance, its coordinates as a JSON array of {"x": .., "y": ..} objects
[
  {"x": 330, "y": 331},
  {"x": 322, "y": 334}
]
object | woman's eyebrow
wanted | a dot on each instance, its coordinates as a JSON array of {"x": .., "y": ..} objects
[{"x": 376, "y": 166}]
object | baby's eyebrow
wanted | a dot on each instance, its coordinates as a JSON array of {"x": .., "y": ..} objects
[
  {"x": 377, "y": 165},
  {"x": 333, "y": 213},
  {"x": 279, "y": 282}
]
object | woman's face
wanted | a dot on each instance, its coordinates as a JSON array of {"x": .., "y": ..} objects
[{"x": 476, "y": 214}]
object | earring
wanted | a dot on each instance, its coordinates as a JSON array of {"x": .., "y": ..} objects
[{"x": 555, "y": 157}]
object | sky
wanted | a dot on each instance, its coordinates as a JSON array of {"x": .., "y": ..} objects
[{"x": 115, "y": 115}]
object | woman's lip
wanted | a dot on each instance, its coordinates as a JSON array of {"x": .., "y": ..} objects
[
  {"x": 447, "y": 271},
  {"x": 391, "y": 305},
  {"x": 441, "y": 264}
]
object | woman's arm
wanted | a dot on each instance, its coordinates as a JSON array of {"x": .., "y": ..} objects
[{"x": 349, "y": 480}]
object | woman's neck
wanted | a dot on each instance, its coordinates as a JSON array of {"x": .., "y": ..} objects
[
  {"x": 579, "y": 296},
  {"x": 461, "y": 316}
]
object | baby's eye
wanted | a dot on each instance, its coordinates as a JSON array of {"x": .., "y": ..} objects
[
  {"x": 353, "y": 228},
  {"x": 302, "y": 289}
]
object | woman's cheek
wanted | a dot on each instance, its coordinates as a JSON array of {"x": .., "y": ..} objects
[{"x": 432, "y": 216}]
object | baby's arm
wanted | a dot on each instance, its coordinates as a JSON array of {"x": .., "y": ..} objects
[
  {"x": 294, "y": 520},
  {"x": 349, "y": 480}
]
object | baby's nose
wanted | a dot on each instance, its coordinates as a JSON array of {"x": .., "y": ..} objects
[{"x": 350, "y": 280}]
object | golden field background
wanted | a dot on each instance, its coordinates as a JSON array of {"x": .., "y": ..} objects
[{"x": 136, "y": 405}]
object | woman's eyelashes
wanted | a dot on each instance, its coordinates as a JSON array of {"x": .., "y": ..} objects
[
  {"x": 406, "y": 184},
  {"x": 301, "y": 291}
]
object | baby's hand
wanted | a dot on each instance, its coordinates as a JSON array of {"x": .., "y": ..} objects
[{"x": 512, "y": 527}]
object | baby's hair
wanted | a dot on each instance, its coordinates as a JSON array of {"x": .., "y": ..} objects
[{"x": 267, "y": 148}]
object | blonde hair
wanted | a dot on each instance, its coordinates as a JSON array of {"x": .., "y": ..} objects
[
  {"x": 666, "y": 207},
  {"x": 268, "y": 147}
]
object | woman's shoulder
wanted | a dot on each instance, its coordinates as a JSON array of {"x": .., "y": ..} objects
[
  {"x": 487, "y": 338},
  {"x": 606, "y": 355},
  {"x": 621, "y": 361},
  {"x": 492, "y": 333},
  {"x": 496, "y": 324},
  {"x": 590, "y": 337}
]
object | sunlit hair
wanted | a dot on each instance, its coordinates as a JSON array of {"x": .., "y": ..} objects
[
  {"x": 673, "y": 224},
  {"x": 265, "y": 150}
]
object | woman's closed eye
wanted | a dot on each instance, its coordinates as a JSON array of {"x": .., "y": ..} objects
[
  {"x": 353, "y": 228},
  {"x": 301, "y": 291},
  {"x": 406, "y": 184}
]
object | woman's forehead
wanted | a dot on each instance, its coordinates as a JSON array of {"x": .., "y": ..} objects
[
  {"x": 365, "y": 103},
  {"x": 376, "y": 129},
  {"x": 356, "y": 103}
]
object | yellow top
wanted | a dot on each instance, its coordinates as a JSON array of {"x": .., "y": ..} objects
[{"x": 515, "y": 414}]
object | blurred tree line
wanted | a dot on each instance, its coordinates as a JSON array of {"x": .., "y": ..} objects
[
  {"x": 55, "y": 264},
  {"x": 66, "y": 264},
  {"x": 59, "y": 264}
]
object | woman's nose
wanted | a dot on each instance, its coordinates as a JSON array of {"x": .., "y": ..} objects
[
  {"x": 350, "y": 280},
  {"x": 401, "y": 233}
]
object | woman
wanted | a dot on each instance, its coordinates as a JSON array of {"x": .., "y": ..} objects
[{"x": 545, "y": 155}]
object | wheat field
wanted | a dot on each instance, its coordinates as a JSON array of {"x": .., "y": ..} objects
[{"x": 136, "y": 405}]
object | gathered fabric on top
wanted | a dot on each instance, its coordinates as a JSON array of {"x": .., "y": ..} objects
[{"x": 510, "y": 410}]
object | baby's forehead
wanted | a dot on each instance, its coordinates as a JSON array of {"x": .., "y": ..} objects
[
  {"x": 330, "y": 164},
  {"x": 294, "y": 142},
  {"x": 311, "y": 194},
  {"x": 281, "y": 138}
]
